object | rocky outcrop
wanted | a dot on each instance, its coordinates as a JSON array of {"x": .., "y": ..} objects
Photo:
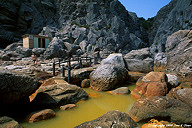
[
  {"x": 41, "y": 115},
  {"x": 57, "y": 95},
  {"x": 171, "y": 18},
  {"x": 139, "y": 60},
  {"x": 85, "y": 83},
  {"x": 160, "y": 62},
  {"x": 153, "y": 84},
  {"x": 103, "y": 24},
  {"x": 107, "y": 77},
  {"x": 179, "y": 53},
  {"x": 21, "y": 17},
  {"x": 175, "y": 106},
  {"x": 16, "y": 87},
  {"x": 115, "y": 119},
  {"x": 7, "y": 122}
]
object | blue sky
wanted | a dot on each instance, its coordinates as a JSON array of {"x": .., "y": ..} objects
[{"x": 144, "y": 8}]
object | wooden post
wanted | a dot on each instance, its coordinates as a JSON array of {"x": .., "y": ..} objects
[
  {"x": 53, "y": 67},
  {"x": 86, "y": 58},
  {"x": 63, "y": 71},
  {"x": 80, "y": 63},
  {"x": 59, "y": 63},
  {"x": 69, "y": 70},
  {"x": 90, "y": 61}
]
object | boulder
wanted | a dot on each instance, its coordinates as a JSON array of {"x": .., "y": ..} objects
[
  {"x": 85, "y": 83},
  {"x": 163, "y": 107},
  {"x": 173, "y": 81},
  {"x": 56, "y": 48},
  {"x": 83, "y": 45},
  {"x": 179, "y": 52},
  {"x": 16, "y": 87},
  {"x": 13, "y": 46},
  {"x": 139, "y": 60},
  {"x": 24, "y": 51},
  {"x": 78, "y": 75},
  {"x": 71, "y": 48},
  {"x": 153, "y": 84},
  {"x": 160, "y": 62},
  {"x": 7, "y": 122},
  {"x": 41, "y": 115},
  {"x": 184, "y": 95},
  {"x": 67, "y": 107},
  {"x": 38, "y": 51},
  {"x": 121, "y": 91},
  {"x": 114, "y": 59},
  {"x": 56, "y": 95},
  {"x": 11, "y": 56},
  {"x": 114, "y": 119},
  {"x": 107, "y": 77}
]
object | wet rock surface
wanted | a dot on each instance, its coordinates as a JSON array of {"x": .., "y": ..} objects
[
  {"x": 41, "y": 115},
  {"x": 111, "y": 119},
  {"x": 56, "y": 95},
  {"x": 177, "y": 110},
  {"x": 7, "y": 122}
]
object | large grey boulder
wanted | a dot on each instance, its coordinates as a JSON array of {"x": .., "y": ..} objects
[
  {"x": 107, "y": 77},
  {"x": 57, "y": 95},
  {"x": 139, "y": 60},
  {"x": 16, "y": 87},
  {"x": 114, "y": 119},
  {"x": 179, "y": 53},
  {"x": 173, "y": 17},
  {"x": 55, "y": 49},
  {"x": 173, "y": 81},
  {"x": 71, "y": 48},
  {"x": 114, "y": 59},
  {"x": 38, "y": 51},
  {"x": 24, "y": 51}
]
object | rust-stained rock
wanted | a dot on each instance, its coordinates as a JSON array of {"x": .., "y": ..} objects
[
  {"x": 153, "y": 84},
  {"x": 41, "y": 115},
  {"x": 67, "y": 107}
]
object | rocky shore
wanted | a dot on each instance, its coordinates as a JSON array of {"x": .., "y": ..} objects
[{"x": 158, "y": 59}]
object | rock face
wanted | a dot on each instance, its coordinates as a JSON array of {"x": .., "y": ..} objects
[
  {"x": 175, "y": 106},
  {"x": 107, "y": 77},
  {"x": 15, "y": 87},
  {"x": 171, "y": 18},
  {"x": 21, "y": 17},
  {"x": 41, "y": 115},
  {"x": 103, "y": 24},
  {"x": 7, "y": 122},
  {"x": 179, "y": 53},
  {"x": 139, "y": 60},
  {"x": 153, "y": 84},
  {"x": 57, "y": 95},
  {"x": 114, "y": 119}
]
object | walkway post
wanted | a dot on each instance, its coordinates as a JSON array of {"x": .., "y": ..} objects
[
  {"x": 69, "y": 70},
  {"x": 53, "y": 67},
  {"x": 59, "y": 63},
  {"x": 63, "y": 71}
]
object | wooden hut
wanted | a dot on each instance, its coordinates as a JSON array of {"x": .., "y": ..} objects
[{"x": 36, "y": 41}]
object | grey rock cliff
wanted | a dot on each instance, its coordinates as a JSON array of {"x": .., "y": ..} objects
[
  {"x": 103, "y": 24},
  {"x": 171, "y": 18}
]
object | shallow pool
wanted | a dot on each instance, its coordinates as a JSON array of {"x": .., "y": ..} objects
[{"x": 87, "y": 110}]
